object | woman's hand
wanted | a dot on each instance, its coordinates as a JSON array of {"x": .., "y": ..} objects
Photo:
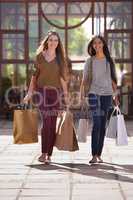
[
  {"x": 116, "y": 100},
  {"x": 27, "y": 98}
]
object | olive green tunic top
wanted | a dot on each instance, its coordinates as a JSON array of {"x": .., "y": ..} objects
[{"x": 49, "y": 74}]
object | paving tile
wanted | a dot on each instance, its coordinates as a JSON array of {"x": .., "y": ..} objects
[{"x": 69, "y": 177}]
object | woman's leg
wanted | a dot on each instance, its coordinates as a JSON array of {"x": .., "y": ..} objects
[
  {"x": 52, "y": 135},
  {"x": 106, "y": 102},
  {"x": 45, "y": 133},
  {"x": 95, "y": 110},
  {"x": 49, "y": 121}
]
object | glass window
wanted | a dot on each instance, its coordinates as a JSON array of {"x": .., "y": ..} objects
[
  {"x": 12, "y": 15},
  {"x": 119, "y": 44},
  {"x": 13, "y": 83},
  {"x": 77, "y": 12},
  {"x": 16, "y": 73},
  {"x": 13, "y": 46},
  {"x": 33, "y": 30},
  {"x": 45, "y": 27},
  {"x": 33, "y": 45},
  {"x": 77, "y": 45},
  {"x": 78, "y": 39},
  {"x": 99, "y": 18},
  {"x": 33, "y": 26},
  {"x": 33, "y": 8},
  {"x": 119, "y": 15},
  {"x": 124, "y": 74},
  {"x": 54, "y": 12}
]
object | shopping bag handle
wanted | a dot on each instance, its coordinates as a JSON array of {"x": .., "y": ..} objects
[
  {"x": 117, "y": 110},
  {"x": 24, "y": 106}
]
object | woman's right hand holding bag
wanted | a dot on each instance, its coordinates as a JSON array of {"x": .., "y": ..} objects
[{"x": 27, "y": 98}]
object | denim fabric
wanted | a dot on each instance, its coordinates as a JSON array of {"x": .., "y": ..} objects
[{"x": 99, "y": 106}]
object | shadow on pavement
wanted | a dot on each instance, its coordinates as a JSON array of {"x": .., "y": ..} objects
[{"x": 105, "y": 170}]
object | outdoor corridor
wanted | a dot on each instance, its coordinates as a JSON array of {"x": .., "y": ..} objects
[{"x": 69, "y": 177}]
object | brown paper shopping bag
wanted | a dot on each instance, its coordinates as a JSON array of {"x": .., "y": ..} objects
[
  {"x": 25, "y": 126},
  {"x": 66, "y": 135}
]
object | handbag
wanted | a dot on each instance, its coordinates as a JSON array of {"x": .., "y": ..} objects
[
  {"x": 65, "y": 132},
  {"x": 25, "y": 126}
]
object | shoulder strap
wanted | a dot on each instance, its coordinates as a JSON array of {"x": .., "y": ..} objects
[
  {"x": 89, "y": 80},
  {"x": 90, "y": 71}
]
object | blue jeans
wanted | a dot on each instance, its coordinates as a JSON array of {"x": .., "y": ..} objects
[{"x": 99, "y": 106}]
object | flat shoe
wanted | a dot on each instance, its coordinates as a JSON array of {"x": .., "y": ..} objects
[
  {"x": 48, "y": 161},
  {"x": 93, "y": 160},
  {"x": 41, "y": 159},
  {"x": 100, "y": 160}
]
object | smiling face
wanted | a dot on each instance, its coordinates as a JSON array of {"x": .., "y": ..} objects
[
  {"x": 53, "y": 42},
  {"x": 98, "y": 45}
]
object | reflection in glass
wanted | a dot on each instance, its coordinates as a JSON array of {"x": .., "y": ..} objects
[
  {"x": 33, "y": 33},
  {"x": 33, "y": 8},
  {"x": 13, "y": 46},
  {"x": 55, "y": 12},
  {"x": 119, "y": 15},
  {"x": 99, "y": 18},
  {"x": 13, "y": 85},
  {"x": 124, "y": 73},
  {"x": 33, "y": 44},
  {"x": 119, "y": 45},
  {"x": 12, "y": 15},
  {"x": 77, "y": 12},
  {"x": 16, "y": 73}
]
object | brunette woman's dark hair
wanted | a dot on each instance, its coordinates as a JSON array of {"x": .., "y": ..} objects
[{"x": 92, "y": 52}]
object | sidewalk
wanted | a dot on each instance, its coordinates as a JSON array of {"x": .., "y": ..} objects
[{"x": 69, "y": 177}]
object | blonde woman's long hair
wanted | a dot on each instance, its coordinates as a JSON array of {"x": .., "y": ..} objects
[{"x": 60, "y": 54}]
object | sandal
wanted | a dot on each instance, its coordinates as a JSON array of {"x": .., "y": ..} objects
[
  {"x": 93, "y": 160},
  {"x": 48, "y": 161},
  {"x": 99, "y": 159},
  {"x": 42, "y": 158}
]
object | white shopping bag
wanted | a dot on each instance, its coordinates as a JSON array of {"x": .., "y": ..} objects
[
  {"x": 117, "y": 128},
  {"x": 111, "y": 130},
  {"x": 122, "y": 138},
  {"x": 83, "y": 129}
]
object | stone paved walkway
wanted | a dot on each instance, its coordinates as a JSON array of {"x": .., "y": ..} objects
[{"x": 69, "y": 177}]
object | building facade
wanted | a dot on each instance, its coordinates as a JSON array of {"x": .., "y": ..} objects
[{"x": 24, "y": 23}]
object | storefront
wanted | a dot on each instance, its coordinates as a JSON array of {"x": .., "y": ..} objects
[{"x": 23, "y": 23}]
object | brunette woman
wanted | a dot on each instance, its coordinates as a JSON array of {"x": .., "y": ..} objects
[
  {"x": 50, "y": 82},
  {"x": 100, "y": 68}
]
